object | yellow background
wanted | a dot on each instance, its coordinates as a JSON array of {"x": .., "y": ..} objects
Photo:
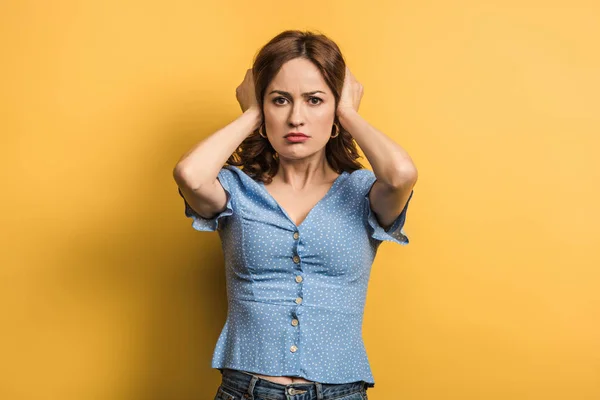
[{"x": 108, "y": 293}]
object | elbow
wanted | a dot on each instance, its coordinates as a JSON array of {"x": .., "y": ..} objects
[
  {"x": 406, "y": 176},
  {"x": 180, "y": 174},
  {"x": 185, "y": 177}
]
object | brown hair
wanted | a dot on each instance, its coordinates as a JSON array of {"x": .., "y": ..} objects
[{"x": 255, "y": 154}]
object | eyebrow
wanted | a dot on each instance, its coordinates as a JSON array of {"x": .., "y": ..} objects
[{"x": 303, "y": 94}]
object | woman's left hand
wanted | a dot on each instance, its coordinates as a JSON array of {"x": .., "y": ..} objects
[{"x": 351, "y": 94}]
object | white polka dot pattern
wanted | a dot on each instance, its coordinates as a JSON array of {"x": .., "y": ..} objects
[{"x": 296, "y": 294}]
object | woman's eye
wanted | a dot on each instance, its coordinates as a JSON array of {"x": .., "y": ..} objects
[{"x": 276, "y": 100}]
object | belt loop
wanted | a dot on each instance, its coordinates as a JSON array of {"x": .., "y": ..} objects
[
  {"x": 250, "y": 394},
  {"x": 319, "y": 390}
]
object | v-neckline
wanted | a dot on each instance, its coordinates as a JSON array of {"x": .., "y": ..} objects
[{"x": 329, "y": 191}]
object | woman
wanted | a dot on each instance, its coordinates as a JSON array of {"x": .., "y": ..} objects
[{"x": 300, "y": 223}]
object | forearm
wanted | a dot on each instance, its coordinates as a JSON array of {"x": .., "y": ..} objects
[
  {"x": 202, "y": 163},
  {"x": 390, "y": 162}
]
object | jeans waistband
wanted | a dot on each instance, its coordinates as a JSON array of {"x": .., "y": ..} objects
[{"x": 250, "y": 384}]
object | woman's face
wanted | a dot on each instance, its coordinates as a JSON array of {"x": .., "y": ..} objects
[{"x": 298, "y": 100}]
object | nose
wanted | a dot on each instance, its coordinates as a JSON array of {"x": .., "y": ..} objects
[{"x": 296, "y": 118}]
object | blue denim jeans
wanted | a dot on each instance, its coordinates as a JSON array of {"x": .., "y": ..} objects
[{"x": 241, "y": 385}]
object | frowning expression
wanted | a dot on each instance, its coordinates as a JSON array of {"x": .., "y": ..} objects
[{"x": 298, "y": 100}]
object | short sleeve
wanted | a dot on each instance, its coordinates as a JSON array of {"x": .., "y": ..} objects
[
  {"x": 227, "y": 179},
  {"x": 395, "y": 233}
]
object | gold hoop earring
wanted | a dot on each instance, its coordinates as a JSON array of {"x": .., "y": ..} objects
[
  {"x": 337, "y": 129},
  {"x": 260, "y": 129}
]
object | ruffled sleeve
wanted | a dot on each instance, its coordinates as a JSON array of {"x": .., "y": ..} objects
[
  {"x": 395, "y": 233},
  {"x": 200, "y": 223}
]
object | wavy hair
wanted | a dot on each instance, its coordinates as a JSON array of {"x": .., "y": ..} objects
[{"x": 255, "y": 154}]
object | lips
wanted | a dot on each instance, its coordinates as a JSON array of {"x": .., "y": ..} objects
[{"x": 296, "y": 134}]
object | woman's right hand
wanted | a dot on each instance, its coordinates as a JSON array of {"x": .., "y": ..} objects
[{"x": 245, "y": 93}]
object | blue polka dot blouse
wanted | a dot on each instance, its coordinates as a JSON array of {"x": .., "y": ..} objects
[{"x": 296, "y": 294}]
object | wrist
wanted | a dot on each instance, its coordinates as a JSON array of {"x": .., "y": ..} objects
[
  {"x": 344, "y": 113},
  {"x": 254, "y": 114}
]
